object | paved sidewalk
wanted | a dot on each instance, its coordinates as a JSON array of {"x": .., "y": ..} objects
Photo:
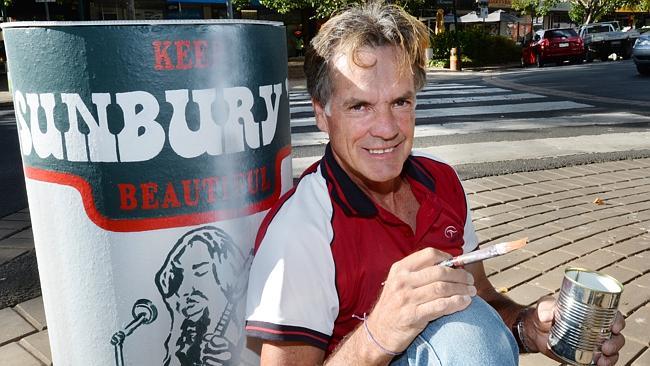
[
  {"x": 6, "y": 100},
  {"x": 556, "y": 209}
]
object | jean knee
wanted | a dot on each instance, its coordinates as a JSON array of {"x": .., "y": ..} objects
[{"x": 474, "y": 336}]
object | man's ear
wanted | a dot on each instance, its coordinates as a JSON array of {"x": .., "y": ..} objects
[{"x": 321, "y": 116}]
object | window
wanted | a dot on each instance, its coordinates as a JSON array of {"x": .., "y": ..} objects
[{"x": 560, "y": 33}]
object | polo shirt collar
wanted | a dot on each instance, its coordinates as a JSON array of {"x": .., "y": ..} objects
[{"x": 351, "y": 198}]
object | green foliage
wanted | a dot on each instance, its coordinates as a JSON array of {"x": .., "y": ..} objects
[
  {"x": 590, "y": 11},
  {"x": 644, "y": 5},
  {"x": 325, "y": 8},
  {"x": 477, "y": 48},
  {"x": 322, "y": 8},
  {"x": 534, "y": 7},
  {"x": 240, "y": 4}
]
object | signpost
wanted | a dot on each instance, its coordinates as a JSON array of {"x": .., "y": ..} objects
[{"x": 482, "y": 9}]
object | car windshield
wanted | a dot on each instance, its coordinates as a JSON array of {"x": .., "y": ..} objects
[
  {"x": 599, "y": 29},
  {"x": 560, "y": 33}
]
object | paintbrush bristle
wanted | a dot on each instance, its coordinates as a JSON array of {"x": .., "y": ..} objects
[{"x": 511, "y": 245}]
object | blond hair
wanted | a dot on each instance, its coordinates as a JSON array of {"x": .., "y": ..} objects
[{"x": 370, "y": 25}]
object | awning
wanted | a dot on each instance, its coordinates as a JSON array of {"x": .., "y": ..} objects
[{"x": 494, "y": 17}]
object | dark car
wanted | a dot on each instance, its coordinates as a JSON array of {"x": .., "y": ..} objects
[
  {"x": 641, "y": 54},
  {"x": 553, "y": 45}
]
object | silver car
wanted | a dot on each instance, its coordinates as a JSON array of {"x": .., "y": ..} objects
[{"x": 641, "y": 54}]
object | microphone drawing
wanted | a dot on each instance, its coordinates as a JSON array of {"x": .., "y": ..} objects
[{"x": 144, "y": 312}]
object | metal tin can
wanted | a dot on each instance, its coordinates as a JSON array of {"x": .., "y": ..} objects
[
  {"x": 585, "y": 310},
  {"x": 151, "y": 150}
]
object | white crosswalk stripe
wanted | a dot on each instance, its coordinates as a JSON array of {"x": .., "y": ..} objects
[
  {"x": 7, "y": 118},
  {"x": 482, "y": 98},
  {"x": 451, "y": 100}
]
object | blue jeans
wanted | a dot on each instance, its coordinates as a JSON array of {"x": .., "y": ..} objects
[{"x": 474, "y": 336}]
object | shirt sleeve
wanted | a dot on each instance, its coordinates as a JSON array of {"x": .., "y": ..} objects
[
  {"x": 469, "y": 237},
  {"x": 291, "y": 292}
]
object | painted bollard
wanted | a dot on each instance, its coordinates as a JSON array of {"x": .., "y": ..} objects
[{"x": 151, "y": 153}]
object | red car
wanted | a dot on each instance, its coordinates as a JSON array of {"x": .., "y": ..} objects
[{"x": 553, "y": 45}]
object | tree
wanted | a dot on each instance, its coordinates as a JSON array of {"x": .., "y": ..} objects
[
  {"x": 534, "y": 8},
  {"x": 325, "y": 8},
  {"x": 589, "y": 11}
]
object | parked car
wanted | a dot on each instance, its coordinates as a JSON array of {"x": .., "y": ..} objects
[
  {"x": 553, "y": 45},
  {"x": 605, "y": 38},
  {"x": 641, "y": 54}
]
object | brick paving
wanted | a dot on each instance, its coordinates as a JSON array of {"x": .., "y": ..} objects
[{"x": 556, "y": 209}]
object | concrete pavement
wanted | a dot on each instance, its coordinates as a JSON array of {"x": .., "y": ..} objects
[{"x": 556, "y": 209}]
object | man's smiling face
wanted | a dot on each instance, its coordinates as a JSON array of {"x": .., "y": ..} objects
[{"x": 370, "y": 116}]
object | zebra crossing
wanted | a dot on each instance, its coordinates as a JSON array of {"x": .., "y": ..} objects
[
  {"x": 440, "y": 110},
  {"x": 7, "y": 118},
  {"x": 452, "y": 100}
]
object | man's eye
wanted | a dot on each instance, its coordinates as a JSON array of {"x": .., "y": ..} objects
[
  {"x": 200, "y": 274},
  {"x": 402, "y": 103},
  {"x": 358, "y": 107}
]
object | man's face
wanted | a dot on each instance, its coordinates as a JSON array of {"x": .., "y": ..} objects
[
  {"x": 198, "y": 288},
  {"x": 370, "y": 117}
]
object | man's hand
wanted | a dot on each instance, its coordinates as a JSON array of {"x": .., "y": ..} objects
[
  {"x": 416, "y": 292},
  {"x": 538, "y": 323}
]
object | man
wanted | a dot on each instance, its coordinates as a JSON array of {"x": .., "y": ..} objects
[
  {"x": 202, "y": 285},
  {"x": 345, "y": 267}
]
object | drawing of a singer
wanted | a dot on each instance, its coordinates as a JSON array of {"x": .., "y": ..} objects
[{"x": 202, "y": 282}]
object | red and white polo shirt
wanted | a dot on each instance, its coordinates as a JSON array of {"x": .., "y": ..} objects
[{"x": 323, "y": 251}]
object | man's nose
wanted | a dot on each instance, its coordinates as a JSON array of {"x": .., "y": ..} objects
[{"x": 385, "y": 125}]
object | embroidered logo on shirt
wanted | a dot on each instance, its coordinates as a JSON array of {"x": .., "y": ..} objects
[{"x": 450, "y": 232}]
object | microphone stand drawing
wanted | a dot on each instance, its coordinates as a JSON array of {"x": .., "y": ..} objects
[{"x": 144, "y": 312}]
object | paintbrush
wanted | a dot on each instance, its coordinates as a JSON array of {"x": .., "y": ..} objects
[{"x": 485, "y": 253}]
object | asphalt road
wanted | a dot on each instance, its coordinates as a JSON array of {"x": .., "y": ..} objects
[{"x": 611, "y": 79}]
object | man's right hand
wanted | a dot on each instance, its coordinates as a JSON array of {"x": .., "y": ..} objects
[{"x": 416, "y": 292}]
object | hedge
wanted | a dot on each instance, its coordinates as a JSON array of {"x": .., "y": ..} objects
[{"x": 477, "y": 48}]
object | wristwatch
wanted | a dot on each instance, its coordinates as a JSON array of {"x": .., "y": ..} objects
[{"x": 518, "y": 331}]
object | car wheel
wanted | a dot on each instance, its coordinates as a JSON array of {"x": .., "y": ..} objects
[
  {"x": 627, "y": 53},
  {"x": 538, "y": 60},
  {"x": 643, "y": 69},
  {"x": 604, "y": 58}
]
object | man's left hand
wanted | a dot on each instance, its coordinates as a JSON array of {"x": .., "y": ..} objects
[{"x": 537, "y": 326}]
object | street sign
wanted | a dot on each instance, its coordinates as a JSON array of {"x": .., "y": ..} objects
[{"x": 484, "y": 13}]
